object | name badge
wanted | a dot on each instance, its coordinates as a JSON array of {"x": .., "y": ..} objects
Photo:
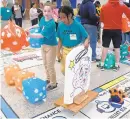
[
  {"x": 8, "y": 10},
  {"x": 73, "y": 37}
]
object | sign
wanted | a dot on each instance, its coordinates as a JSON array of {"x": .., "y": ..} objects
[
  {"x": 101, "y": 107},
  {"x": 77, "y": 72}
]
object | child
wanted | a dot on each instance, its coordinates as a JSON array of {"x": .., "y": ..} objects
[
  {"x": 70, "y": 34},
  {"x": 48, "y": 33}
]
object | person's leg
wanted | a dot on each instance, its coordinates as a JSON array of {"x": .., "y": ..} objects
[
  {"x": 20, "y": 22},
  {"x": 33, "y": 22},
  {"x": 3, "y": 24},
  {"x": 16, "y": 21},
  {"x": 50, "y": 59},
  {"x": 43, "y": 51},
  {"x": 117, "y": 39},
  {"x": 92, "y": 31},
  {"x": 106, "y": 39},
  {"x": 123, "y": 38},
  {"x": 128, "y": 37},
  {"x": 65, "y": 52}
]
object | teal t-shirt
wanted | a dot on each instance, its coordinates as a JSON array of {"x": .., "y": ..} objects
[
  {"x": 48, "y": 30},
  {"x": 6, "y": 13},
  {"x": 71, "y": 35}
]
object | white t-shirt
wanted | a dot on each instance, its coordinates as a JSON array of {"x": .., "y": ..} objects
[{"x": 33, "y": 13}]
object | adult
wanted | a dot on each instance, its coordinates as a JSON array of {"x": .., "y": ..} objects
[
  {"x": 111, "y": 16},
  {"x": 89, "y": 21},
  {"x": 18, "y": 13}
]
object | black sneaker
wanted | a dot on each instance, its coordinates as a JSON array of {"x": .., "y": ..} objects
[
  {"x": 51, "y": 87},
  {"x": 101, "y": 67},
  {"x": 98, "y": 60},
  {"x": 116, "y": 68}
]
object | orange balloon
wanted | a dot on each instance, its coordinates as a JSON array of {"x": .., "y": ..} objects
[{"x": 13, "y": 38}]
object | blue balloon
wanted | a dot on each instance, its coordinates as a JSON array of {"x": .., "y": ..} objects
[
  {"x": 34, "y": 90},
  {"x": 36, "y": 42}
]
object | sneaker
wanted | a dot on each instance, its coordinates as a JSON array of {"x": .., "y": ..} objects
[
  {"x": 116, "y": 68},
  {"x": 101, "y": 67},
  {"x": 51, "y": 87},
  {"x": 98, "y": 60}
]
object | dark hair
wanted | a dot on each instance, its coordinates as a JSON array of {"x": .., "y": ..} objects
[
  {"x": 32, "y": 4},
  {"x": 67, "y": 10},
  {"x": 97, "y": 2}
]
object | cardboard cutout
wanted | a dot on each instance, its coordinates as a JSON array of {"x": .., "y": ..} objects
[{"x": 77, "y": 73}]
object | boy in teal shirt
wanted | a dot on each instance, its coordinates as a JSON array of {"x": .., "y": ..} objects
[{"x": 48, "y": 33}]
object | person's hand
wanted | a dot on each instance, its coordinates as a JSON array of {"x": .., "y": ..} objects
[
  {"x": 59, "y": 56},
  {"x": 27, "y": 32},
  {"x": 86, "y": 43}
]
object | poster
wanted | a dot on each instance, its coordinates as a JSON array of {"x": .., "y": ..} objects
[{"x": 77, "y": 72}]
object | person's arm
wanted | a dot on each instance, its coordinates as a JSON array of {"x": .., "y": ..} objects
[
  {"x": 126, "y": 11},
  {"x": 34, "y": 26},
  {"x": 86, "y": 43},
  {"x": 85, "y": 37},
  {"x": 101, "y": 15},
  {"x": 59, "y": 45},
  {"x": 13, "y": 9},
  {"x": 59, "y": 55},
  {"x": 92, "y": 13},
  {"x": 36, "y": 35}
]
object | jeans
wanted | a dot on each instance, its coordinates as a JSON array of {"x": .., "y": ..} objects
[
  {"x": 18, "y": 21},
  {"x": 92, "y": 32},
  {"x": 34, "y": 21},
  {"x": 125, "y": 38}
]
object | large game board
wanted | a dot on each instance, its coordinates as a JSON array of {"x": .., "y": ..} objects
[{"x": 97, "y": 108}]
